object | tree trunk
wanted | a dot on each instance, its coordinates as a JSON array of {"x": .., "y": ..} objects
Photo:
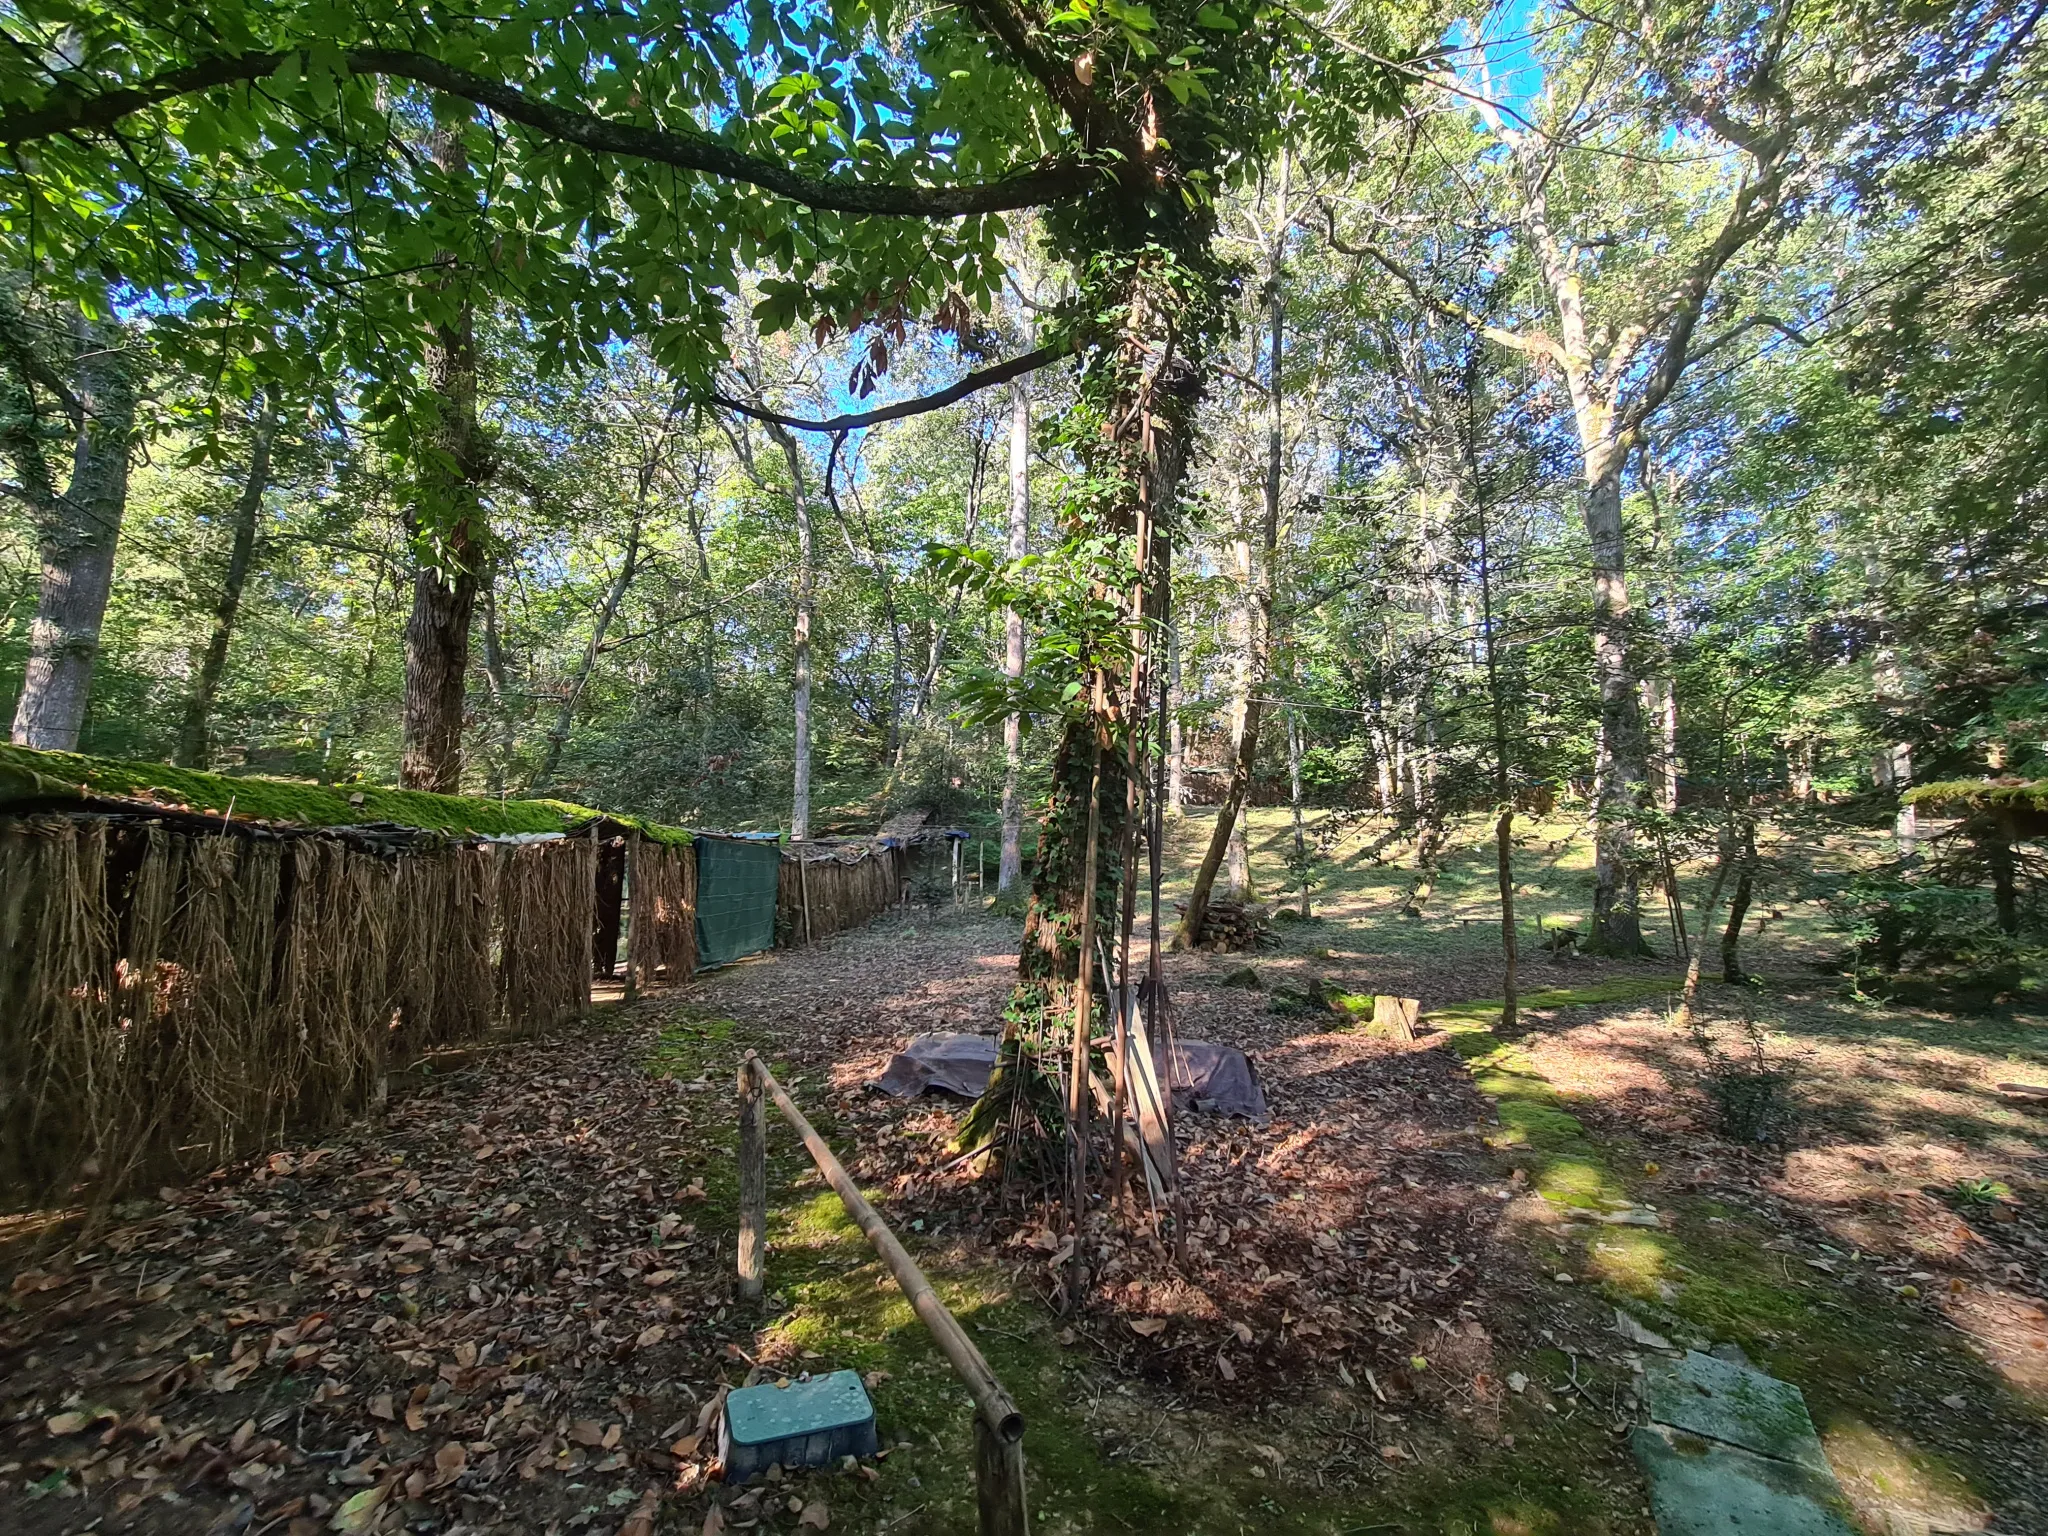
[
  {"x": 608, "y": 610},
  {"x": 806, "y": 578},
  {"x": 76, "y": 531},
  {"x": 1176, "y": 735},
  {"x": 501, "y": 693},
  {"x": 1660, "y": 709},
  {"x": 195, "y": 744},
  {"x": 1995, "y": 836},
  {"x": 1010, "y": 868},
  {"x": 1503, "y": 771},
  {"x": 448, "y": 524},
  {"x": 1228, "y": 835},
  {"x": 1738, "y": 910},
  {"x": 1294, "y": 804},
  {"x": 1618, "y": 767}
]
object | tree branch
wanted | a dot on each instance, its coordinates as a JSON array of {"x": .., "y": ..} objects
[
  {"x": 985, "y": 378},
  {"x": 70, "y": 110},
  {"x": 1536, "y": 343}
]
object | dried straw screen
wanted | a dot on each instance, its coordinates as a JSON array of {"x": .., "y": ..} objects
[
  {"x": 663, "y": 893},
  {"x": 547, "y": 896},
  {"x": 841, "y": 893}
]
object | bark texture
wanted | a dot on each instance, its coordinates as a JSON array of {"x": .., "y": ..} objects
[
  {"x": 77, "y": 529},
  {"x": 447, "y": 526}
]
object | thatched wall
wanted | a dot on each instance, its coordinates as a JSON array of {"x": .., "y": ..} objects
[
  {"x": 661, "y": 945},
  {"x": 845, "y": 888},
  {"x": 546, "y": 895},
  {"x": 175, "y": 997}
]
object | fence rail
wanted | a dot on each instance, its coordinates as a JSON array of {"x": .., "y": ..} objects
[{"x": 998, "y": 1425}]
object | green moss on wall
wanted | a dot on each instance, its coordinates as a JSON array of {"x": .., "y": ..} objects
[{"x": 29, "y": 775}]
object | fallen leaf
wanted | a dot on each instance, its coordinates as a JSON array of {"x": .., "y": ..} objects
[
  {"x": 380, "y": 1407},
  {"x": 649, "y": 1337},
  {"x": 450, "y": 1460},
  {"x": 815, "y": 1515},
  {"x": 359, "y": 1510},
  {"x": 67, "y": 1423},
  {"x": 641, "y": 1521},
  {"x": 714, "y": 1521},
  {"x": 1148, "y": 1327},
  {"x": 587, "y": 1432},
  {"x": 1225, "y": 1369}
]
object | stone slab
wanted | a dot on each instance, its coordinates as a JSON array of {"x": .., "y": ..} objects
[
  {"x": 1702, "y": 1487},
  {"x": 1736, "y": 1405}
]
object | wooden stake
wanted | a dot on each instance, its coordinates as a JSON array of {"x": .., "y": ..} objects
[
  {"x": 999, "y": 1482},
  {"x": 753, "y": 1181}
]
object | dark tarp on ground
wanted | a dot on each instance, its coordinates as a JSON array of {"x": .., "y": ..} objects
[
  {"x": 950, "y": 1063},
  {"x": 736, "y": 880},
  {"x": 1217, "y": 1078}
]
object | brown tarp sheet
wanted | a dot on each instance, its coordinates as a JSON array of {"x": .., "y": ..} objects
[{"x": 1219, "y": 1079}]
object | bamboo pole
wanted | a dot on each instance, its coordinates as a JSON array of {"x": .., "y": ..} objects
[{"x": 994, "y": 1405}]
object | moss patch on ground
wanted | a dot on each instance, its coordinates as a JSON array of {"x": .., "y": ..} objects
[
  {"x": 1710, "y": 1272},
  {"x": 28, "y": 775}
]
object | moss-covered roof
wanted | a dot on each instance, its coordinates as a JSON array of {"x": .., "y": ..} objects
[
  {"x": 27, "y": 775},
  {"x": 1965, "y": 795}
]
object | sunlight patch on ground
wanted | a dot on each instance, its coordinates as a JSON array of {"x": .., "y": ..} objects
[{"x": 1894, "y": 1486}]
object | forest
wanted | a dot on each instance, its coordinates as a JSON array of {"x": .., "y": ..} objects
[{"x": 1533, "y": 512}]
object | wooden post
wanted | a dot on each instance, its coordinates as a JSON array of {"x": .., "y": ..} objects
[
  {"x": 632, "y": 921},
  {"x": 753, "y": 1180},
  {"x": 803, "y": 881},
  {"x": 999, "y": 1482}
]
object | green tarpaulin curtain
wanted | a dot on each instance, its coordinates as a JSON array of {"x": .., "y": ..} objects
[{"x": 735, "y": 897}]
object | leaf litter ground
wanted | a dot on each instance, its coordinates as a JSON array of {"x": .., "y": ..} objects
[{"x": 508, "y": 1307}]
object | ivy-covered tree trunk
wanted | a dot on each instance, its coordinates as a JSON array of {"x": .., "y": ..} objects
[
  {"x": 195, "y": 735},
  {"x": 78, "y": 528}
]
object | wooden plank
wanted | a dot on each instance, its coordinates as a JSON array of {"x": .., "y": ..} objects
[{"x": 1148, "y": 1102}]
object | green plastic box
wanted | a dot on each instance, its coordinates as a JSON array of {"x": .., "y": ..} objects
[{"x": 804, "y": 1424}]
